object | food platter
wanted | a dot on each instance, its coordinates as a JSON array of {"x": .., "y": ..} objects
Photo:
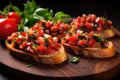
[{"x": 87, "y": 67}]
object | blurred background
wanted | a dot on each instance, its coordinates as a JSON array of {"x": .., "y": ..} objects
[
  {"x": 107, "y": 8},
  {"x": 73, "y": 7}
]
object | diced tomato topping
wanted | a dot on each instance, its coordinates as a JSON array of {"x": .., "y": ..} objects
[
  {"x": 79, "y": 32},
  {"x": 23, "y": 34},
  {"x": 48, "y": 51},
  {"x": 31, "y": 32},
  {"x": 13, "y": 35},
  {"x": 99, "y": 29},
  {"x": 91, "y": 43},
  {"x": 99, "y": 20},
  {"x": 73, "y": 38},
  {"x": 55, "y": 39},
  {"x": 39, "y": 33},
  {"x": 78, "y": 19},
  {"x": 54, "y": 47},
  {"x": 82, "y": 43},
  {"x": 30, "y": 44},
  {"x": 78, "y": 25},
  {"x": 19, "y": 40},
  {"x": 47, "y": 31},
  {"x": 83, "y": 19},
  {"x": 55, "y": 27},
  {"x": 35, "y": 27},
  {"x": 23, "y": 45},
  {"x": 91, "y": 17},
  {"x": 48, "y": 24},
  {"x": 89, "y": 25},
  {"x": 40, "y": 40},
  {"x": 41, "y": 47},
  {"x": 90, "y": 35}
]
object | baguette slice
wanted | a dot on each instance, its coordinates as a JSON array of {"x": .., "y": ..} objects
[
  {"x": 55, "y": 58},
  {"x": 91, "y": 22},
  {"x": 91, "y": 52},
  {"x": 108, "y": 33}
]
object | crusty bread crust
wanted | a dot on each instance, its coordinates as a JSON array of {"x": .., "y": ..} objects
[
  {"x": 91, "y": 52},
  {"x": 108, "y": 33},
  {"x": 55, "y": 58}
]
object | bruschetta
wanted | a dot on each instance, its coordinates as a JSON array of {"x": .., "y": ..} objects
[
  {"x": 36, "y": 46},
  {"x": 56, "y": 29},
  {"x": 91, "y": 22},
  {"x": 88, "y": 45}
]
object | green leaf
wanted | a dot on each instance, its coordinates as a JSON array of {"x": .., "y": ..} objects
[
  {"x": 40, "y": 11},
  {"x": 37, "y": 17},
  {"x": 31, "y": 6},
  {"x": 60, "y": 12},
  {"x": 75, "y": 60},
  {"x": 7, "y": 9},
  {"x": 15, "y": 8},
  {"x": 61, "y": 15},
  {"x": 29, "y": 65}
]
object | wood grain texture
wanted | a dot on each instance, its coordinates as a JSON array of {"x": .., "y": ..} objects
[{"x": 100, "y": 69}]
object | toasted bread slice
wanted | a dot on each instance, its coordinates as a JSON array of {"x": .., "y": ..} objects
[
  {"x": 55, "y": 58},
  {"x": 108, "y": 33},
  {"x": 91, "y": 22},
  {"x": 92, "y": 52}
]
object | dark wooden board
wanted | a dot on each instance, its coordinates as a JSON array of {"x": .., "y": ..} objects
[{"x": 86, "y": 67}]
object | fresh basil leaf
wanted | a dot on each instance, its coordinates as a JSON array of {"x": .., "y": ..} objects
[
  {"x": 29, "y": 65},
  {"x": 62, "y": 16},
  {"x": 60, "y": 12},
  {"x": 40, "y": 11},
  {"x": 31, "y": 7},
  {"x": 37, "y": 17},
  {"x": 75, "y": 60},
  {"x": 7, "y": 9},
  {"x": 24, "y": 20},
  {"x": 15, "y": 8}
]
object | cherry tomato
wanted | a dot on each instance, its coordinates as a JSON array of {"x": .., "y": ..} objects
[
  {"x": 7, "y": 27},
  {"x": 15, "y": 16},
  {"x": 1, "y": 16}
]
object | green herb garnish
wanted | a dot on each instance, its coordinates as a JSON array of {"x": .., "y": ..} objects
[
  {"x": 75, "y": 60},
  {"x": 98, "y": 38},
  {"x": 29, "y": 65},
  {"x": 46, "y": 41}
]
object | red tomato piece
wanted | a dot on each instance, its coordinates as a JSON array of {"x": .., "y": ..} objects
[
  {"x": 7, "y": 27},
  {"x": 41, "y": 47},
  {"x": 15, "y": 16},
  {"x": 91, "y": 43},
  {"x": 48, "y": 24},
  {"x": 82, "y": 43}
]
